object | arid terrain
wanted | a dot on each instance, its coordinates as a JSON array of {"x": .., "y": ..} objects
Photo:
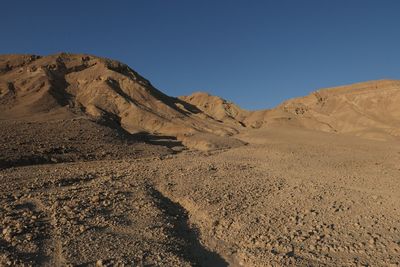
[{"x": 99, "y": 168}]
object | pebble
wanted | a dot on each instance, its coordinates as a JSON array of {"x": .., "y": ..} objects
[{"x": 95, "y": 198}]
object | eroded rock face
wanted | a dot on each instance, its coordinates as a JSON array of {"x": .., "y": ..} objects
[
  {"x": 368, "y": 109},
  {"x": 218, "y": 108},
  {"x": 66, "y": 86},
  {"x": 226, "y": 111}
]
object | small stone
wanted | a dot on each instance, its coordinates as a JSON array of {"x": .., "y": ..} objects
[
  {"x": 95, "y": 198},
  {"x": 211, "y": 167},
  {"x": 29, "y": 237},
  {"x": 6, "y": 230}
]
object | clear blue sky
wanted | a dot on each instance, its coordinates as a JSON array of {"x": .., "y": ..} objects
[{"x": 255, "y": 53}]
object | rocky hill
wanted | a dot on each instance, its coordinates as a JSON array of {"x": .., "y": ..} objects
[
  {"x": 226, "y": 111},
  {"x": 368, "y": 109},
  {"x": 66, "y": 86},
  {"x": 64, "y": 91}
]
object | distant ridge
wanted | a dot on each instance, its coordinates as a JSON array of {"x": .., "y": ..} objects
[{"x": 369, "y": 109}]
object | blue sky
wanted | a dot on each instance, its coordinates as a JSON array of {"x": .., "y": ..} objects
[{"x": 254, "y": 53}]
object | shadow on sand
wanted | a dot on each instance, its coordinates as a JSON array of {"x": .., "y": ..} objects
[{"x": 195, "y": 252}]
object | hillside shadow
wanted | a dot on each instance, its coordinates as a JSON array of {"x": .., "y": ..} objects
[
  {"x": 159, "y": 140},
  {"x": 112, "y": 121}
]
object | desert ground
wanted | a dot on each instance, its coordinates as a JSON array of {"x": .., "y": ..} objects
[
  {"x": 289, "y": 198},
  {"x": 100, "y": 171}
]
